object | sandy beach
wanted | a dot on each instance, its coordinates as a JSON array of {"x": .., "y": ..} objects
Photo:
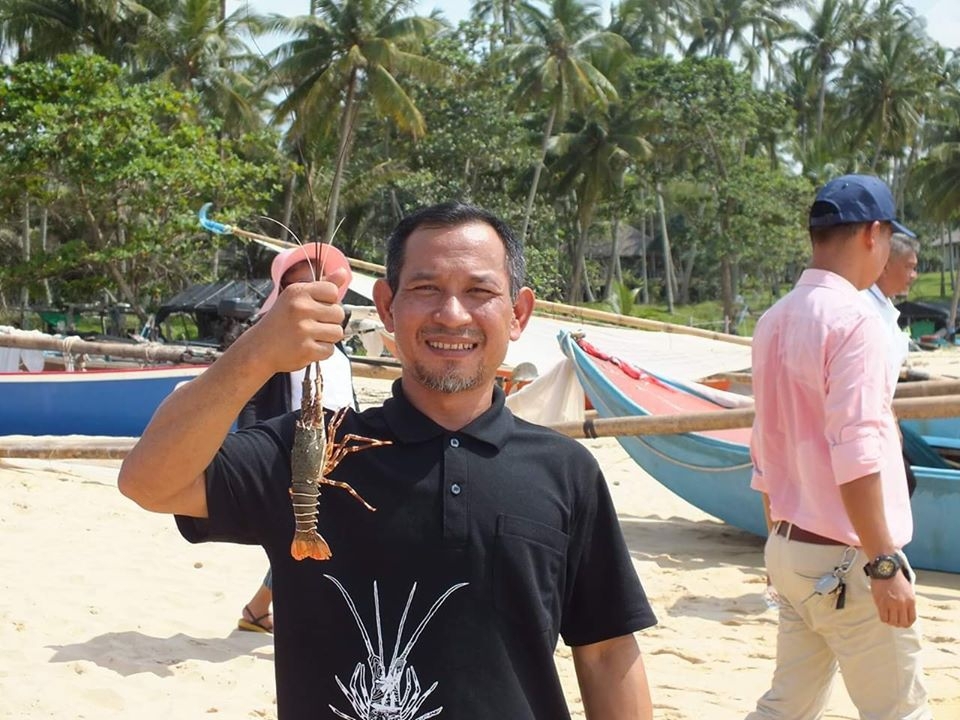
[{"x": 105, "y": 612}]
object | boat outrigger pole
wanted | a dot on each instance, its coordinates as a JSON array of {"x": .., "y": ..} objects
[{"x": 220, "y": 228}]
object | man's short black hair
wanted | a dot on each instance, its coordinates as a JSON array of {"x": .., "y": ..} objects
[{"x": 452, "y": 214}]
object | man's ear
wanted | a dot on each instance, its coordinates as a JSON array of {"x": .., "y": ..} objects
[
  {"x": 383, "y": 299},
  {"x": 522, "y": 311},
  {"x": 873, "y": 234}
]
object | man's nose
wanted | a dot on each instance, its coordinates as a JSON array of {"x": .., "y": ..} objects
[{"x": 452, "y": 311}]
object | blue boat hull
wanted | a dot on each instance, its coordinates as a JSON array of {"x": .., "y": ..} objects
[
  {"x": 714, "y": 475},
  {"x": 116, "y": 403}
]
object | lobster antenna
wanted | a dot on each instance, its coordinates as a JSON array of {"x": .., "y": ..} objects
[
  {"x": 403, "y": 621},
  {"x": 353, "y": 610},
  {"x": 376, "y": 609},
  {"x": 317, "y": 264},
  {"x": 277, "y": 222},
  {"x": 430, "y": 614},
  {"x": 292, "y": 234}
]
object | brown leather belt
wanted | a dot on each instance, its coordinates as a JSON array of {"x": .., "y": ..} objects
[{"x": 792, "y": 532}]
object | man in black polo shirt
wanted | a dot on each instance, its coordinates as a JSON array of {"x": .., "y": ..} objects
[{"x": 492, "y": 536}]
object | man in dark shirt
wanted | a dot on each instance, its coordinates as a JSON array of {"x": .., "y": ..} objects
[{"x": 491, "y": 538}]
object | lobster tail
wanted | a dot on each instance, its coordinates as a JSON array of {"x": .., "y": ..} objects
[{"x": 309, "y": 544}]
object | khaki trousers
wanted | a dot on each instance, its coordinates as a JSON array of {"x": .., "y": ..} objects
[{"x": 880, "y": 664}]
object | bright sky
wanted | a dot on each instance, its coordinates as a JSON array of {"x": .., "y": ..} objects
[{"x": 942, "y": 16}]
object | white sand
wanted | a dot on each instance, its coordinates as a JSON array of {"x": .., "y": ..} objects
[{"x": 105, "y": 612}]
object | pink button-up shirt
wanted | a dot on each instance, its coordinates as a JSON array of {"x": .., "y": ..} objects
[{"x": 823, "y": 416}]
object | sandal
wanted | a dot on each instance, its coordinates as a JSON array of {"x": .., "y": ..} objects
[{"x": 254, "y": 624}]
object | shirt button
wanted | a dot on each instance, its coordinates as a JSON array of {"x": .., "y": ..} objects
[
  {"x": 455, "y": 442},
  {"x": 455, "y": 489}
]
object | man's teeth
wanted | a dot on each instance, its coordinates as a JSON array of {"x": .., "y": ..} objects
[{"x": 451, "y": 346}]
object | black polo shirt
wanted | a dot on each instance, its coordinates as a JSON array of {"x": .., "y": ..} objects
[{"x": 485, "y": 545}]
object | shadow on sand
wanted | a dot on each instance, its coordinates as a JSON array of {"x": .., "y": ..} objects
[
  {"x": 675, "y": 542},
  {"x": 129, "y": 652},
  {"x": 696, "y": 545}
]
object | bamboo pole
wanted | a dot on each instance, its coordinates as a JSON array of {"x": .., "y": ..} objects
[
  {"x": 147, "y": 352},
  {"x": 921, "y": 388},
  {"x": 601, "y": 316},
  {"x": 928, "y": 388},
  {"x": 906, "y": 409},
  {"x": 377, "y": 368},
  {"x": 67, "y": 447}
]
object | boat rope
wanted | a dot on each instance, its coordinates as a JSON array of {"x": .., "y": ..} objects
[
  {"x": 690, "y": 466},
  {"x": 69, "y": 358}
]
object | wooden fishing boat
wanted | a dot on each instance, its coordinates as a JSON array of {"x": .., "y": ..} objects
[
  {"x": 711, "y": 470},
  {"x": 116, "y": 403}
]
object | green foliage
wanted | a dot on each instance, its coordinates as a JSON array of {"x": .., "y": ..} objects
[
  {"x": 380, "y": 112},
  {"x": 927, "y": 287},
  {"x": 624, "y": 299},
  {"x": 126, "y": 165}
]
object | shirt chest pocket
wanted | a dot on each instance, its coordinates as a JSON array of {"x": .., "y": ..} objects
[{"x": 528, "y": 571}]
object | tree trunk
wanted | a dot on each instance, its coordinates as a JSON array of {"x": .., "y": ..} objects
[
  {"x": 726, "y": 286},
  {"x": 528, "y": 211},
  {"x": 44, "y": 215},
  {"x": 667, "y": 262},
  {"x": 291, "y": 193},
  {"x": 588, "y": 295},
  {"x": 952, "y": 321},
  {"x": 687, "y": 264},
  {"x": 613, "y": 267},
  {"x": 25, "y": 246},
  {"x": 821, "y": 104},
  {"x": 953, "y": 259},
  {"x": 943, "y": 269},
  {"x": 645, "y": 288},
  {"x": 576, "y": 280},
  {"x": 126, "y": 291},
  {"x": 580, "y": 280},
  {"x": 880, "y": 140},
  {"x": 346, "y": 130}
]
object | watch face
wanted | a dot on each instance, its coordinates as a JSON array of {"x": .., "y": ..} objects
[{"x": 885, "y": 568}]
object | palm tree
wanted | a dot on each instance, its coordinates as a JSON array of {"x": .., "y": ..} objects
[
  {"x": 43, "y": 29},
  {"x": 505, "y": 17},
  {"x": 350, "y": 54},
  {"x": 827, "y": 36},
  {"x": 939, "y": 181},
  {"x": 592, "y": 163},
  {"x": 651, "y": 27},
  {"x": 197, "y": 49},
  {"x": 560, "y": 66},
  {"x": 884, "y": 85},
  {"x": 717, "y": 27}
]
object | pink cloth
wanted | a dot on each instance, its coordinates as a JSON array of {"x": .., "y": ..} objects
[{"x": 823, "y": 415}]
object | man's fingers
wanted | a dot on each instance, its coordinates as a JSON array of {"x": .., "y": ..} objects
[
  {"x": 339, "y": 277},
  {"x": 898, "y": 614}
]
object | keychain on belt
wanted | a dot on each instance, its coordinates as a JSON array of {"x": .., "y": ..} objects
[{"x": 832, "y": 582}]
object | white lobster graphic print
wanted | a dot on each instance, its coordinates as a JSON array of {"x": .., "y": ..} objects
[{"x": 386, "y": 688}]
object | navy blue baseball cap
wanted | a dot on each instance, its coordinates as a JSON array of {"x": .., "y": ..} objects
[{"x": 855, "y": 199}]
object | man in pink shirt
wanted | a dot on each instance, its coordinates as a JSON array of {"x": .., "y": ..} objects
[{"x": 826, "y": 457}]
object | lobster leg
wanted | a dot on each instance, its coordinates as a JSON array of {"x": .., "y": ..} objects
[{"x": 316, "y": 453}]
